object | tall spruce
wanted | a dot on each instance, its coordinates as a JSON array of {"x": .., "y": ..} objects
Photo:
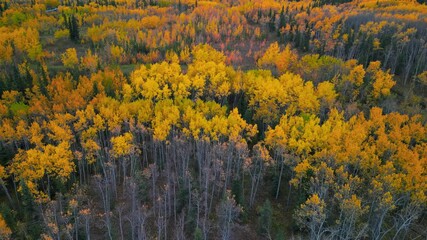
[
  {"x": 272, "y": 22},
  {"x": 74, "y": 29},
  {"x": 282, "y": 21}
]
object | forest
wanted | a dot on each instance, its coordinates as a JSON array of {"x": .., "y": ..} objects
[{"x": 219, "y": 119}]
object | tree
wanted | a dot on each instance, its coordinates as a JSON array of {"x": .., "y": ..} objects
[
  {"x": 5, "y": 232},
  {"x": 265, "y": 218},
  {"x": 166, "y": 116},
  {"x": 73, "y": 27},
  {"x": 270, "y": 56},
  {"x": 383, "y": 81},
  {"x": 90, "y": 61},
  {"x": 228, "y": 211},
  {"x": 122, "y": 145},
  {"x": 423, "y": 78},
  {"x": 212, "y": 78},
  {"x": 33, "y": 165},
  {"x": 70, "y": 59},
  {"x": 312, "y": 215},
  {"x": 286, "y": 59},
  {"x": 117, "y": 53}
]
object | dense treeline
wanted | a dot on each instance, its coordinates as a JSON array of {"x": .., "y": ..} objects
[
  {"x": 119, "y": 122},
  {"x": 391, "y": 32}
]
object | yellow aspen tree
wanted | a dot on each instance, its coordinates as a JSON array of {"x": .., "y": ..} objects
[
  {"x": 36, "y": 135},
  {"x": 59, "y": 132},
  {"x": 326, "y": 93},
  {"x": 29, "y": 166},
  {"x": 307, "y": 100},
  {"x": 357, "y": 75},
  {"x": 90, "y": 61},
  {"x": 285, "y": 59},
  {"x": 70, "y": 58},
  {"x": 270, "y": 56},
  {"x": 7, "y": 131},
  {"x": 238, "y": 128},
  {"x": 122, "y": 145},
  {"x": 184, "y": 55},
  {"x": 91, "y": 149},
  {"x": 166, "y": 115},
  {"x": 5, "y": 232},
  {"x": 116, "y": 53},
  {"x": 312, "y": 215},
  {"x": 382, "y": 81},
  {"x": 292, "y": 86},
  {"x": 59, "y": 160}
]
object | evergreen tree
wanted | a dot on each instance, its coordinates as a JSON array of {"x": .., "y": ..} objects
[
  {"x": 259, "y": 14},
  {"x": 73, "y": 28},
  {"x": 29, "y": 209},
  {"x": 272, "y": 22},
  {"x": 282, "y": 20},
  {"x": 265, "y": 218}
]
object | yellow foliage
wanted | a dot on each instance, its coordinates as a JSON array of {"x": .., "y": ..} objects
[
  {"x": 58, "y": 160},
  {"x": 286, "y": 59},
  {"x": 5, "y": 232},
  {"x": 184, "y": 55},
  {"x": 89, "y": 61},
  {"x": 32, "y": 165},
  {"x": 357, "y": 75},
  {"x": 36, "y": 136},
  {"x": 150, "y": 22},
  {"x": 161, "y": 81},
  {"x": 69, "y": 58},
  {"x": 423, "y": 78},
  {"x": 172, "y": 57},
  {"x": 326, "y": 92},
  {"x": 301, "y": 171},
  {"x": 7, "y": 131},
  {"x": 206, "y": 53},
  {"x": 96, "y": 34},
  {"x": 216, "y": 78},
  {"x": 166, "y": 115},
  {"x": 62, "y": 33},
  {"x": 116, "y": 53},
  {"x": 270, "y": 56},
  {"x": 59, "y": 133},
  {"x": 122, "y": 145},
  {"x": 91, "y": 148},
  {"x": 26, "y": 40},
  {"x": 313, "y": 209},
  {"x": 6, "y": 53},
  {"x": 383, "y": 84},
  {"x": 307, "y": 101}
]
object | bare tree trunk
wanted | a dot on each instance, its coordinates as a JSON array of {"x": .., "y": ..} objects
[
  {"x": 6, "y": 192},
  {"x": 120, "y": 209},
  {"x": 280, "y": 177},
  {"x": 87, "y": 227},
  {"x": 105, "y": 195}
]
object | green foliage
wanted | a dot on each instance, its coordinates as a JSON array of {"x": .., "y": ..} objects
[
  {"x": 280, "y": 235},
  {"x": 9, "y": 215},
  {"x": 72, "y": 25},
  {"x": 30, "y": 227},
  {"x": 17, "y": 18},
  {"x": 237, "y": 191},
  {"x": 19, "y": 109},
  {"x": 265, "y": 218},
  {"x": 198, "y": 234}
]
